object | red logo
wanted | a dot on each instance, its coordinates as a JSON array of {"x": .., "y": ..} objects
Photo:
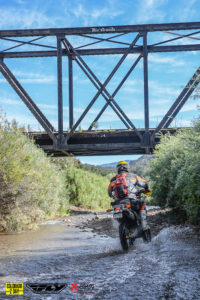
[
  {"x": 84, "y": 288},
  {"x": 74, "y": 286}
]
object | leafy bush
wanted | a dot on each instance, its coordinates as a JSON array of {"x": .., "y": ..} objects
[
  {"x": 175, "y": 172},
  {"x": 31, "y": 187},
  {"x": 87, "y": 189}
]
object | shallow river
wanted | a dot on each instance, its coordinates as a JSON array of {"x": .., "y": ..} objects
[{"x": 167, "y": 268}]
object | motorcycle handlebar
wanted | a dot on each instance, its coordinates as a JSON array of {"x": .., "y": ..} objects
[{"x": 142, "y": 191}]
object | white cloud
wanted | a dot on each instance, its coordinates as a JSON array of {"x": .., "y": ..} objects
[
  {"x": 47, "y": 79},
  {"x": 190, "y": 106},
  {"x": 159, "y": 101},
  {"x": 169, "y": 60},
  {"x": 10, "y": 101},
  {"x": 29, "y": 77},
  {"x": 25, "y": 18},
  {"x": 175, "y": 123},
  {"x": 188, "y": 11},
  {"x": 149, "y": 9},
  {"x": 20, "y": 2},
  {"x": 94, "y": 15},
  {"x": 42, "y": 79},
  {"x": 157, "y": 88}
]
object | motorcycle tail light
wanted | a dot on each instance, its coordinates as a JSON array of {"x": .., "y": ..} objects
[
  {"x": 128, "y": 206},
  {"x": 117, "y": 208}
]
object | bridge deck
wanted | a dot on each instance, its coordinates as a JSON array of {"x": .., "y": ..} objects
[{"x": 100, "y": 142}]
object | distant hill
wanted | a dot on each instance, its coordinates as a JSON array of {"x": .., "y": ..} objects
[
  {"x": 137, "y": 166},
  {"x": 141, "y": 160},
  {"x": 113, "y": 164}
]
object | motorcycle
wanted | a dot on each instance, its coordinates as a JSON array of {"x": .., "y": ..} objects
[{"x": 126, "y": 212}]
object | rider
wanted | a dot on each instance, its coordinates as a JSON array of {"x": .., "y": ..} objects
[{"x": 133, "y": 181}]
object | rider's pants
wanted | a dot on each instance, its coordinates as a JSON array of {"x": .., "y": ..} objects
[{"x": 143, "y": 218}]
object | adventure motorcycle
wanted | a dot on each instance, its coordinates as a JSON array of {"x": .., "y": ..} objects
[{"x": 126, "y": 212}]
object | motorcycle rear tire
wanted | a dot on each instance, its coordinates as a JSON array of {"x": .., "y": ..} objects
[{"x": 123, "y": 232}]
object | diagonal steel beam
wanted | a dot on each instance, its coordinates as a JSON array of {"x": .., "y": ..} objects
[
  {"x": 95, "y": 84},
  {"x": 176, "y": 106},
  {"x": 116, "y": 91},
  {"x": 91, "y": 79},
  {"x": 102, "y": 87},
  {"x": 184, "y": 99},
  {"x": 29, "y": 43},
  {"x": 27, "y": 100},
  {"x": 177, "y": 38},
  {"x": 69, "y": 48},
  {"x": 85, "y": 67},
  {"x": 100, "y": 40},
  {"x": 22, "y": 43},
  {"x": 108, "y": 101}
]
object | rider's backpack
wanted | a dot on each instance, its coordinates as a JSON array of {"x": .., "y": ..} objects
[{"x": 120, "y": 187}]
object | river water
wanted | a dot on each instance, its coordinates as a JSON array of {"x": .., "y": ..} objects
[{"x": 166, "y": 268}]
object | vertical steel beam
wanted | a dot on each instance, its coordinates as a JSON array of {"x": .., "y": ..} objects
[
  {"x": 146, "y": 136},
  {"x": 70, "y": 75},
  {"x": 59, "y": 78},
  {"x": 146, "y": 89}
]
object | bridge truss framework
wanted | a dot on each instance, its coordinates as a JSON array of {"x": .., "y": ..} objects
[{"x": 90, "y": 142}]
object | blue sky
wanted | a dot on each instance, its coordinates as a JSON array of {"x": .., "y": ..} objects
[{"x": 168, "y": 72}]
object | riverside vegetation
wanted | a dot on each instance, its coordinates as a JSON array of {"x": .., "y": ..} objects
[
  {"x": 34, "y": 187},
  {"x": 174, "y": 173}
]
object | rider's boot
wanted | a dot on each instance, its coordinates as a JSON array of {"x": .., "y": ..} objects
[{"x": 143, "y": 218}]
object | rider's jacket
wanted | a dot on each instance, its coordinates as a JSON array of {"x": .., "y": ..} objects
[{"x": 133, "y": 182}]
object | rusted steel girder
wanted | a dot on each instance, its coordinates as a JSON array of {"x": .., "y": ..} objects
[{"x": 62, "y": 140}]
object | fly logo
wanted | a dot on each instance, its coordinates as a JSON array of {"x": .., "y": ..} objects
[{"x": 46, "y": 288}]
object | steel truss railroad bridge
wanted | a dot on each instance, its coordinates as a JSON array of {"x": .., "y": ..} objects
[{"x": 99, "y": 142}]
